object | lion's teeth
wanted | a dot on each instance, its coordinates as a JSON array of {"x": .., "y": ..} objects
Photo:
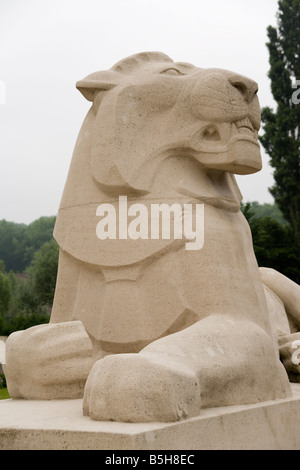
[
  {"x": 245, "y": 124},
  {"x": 246, "y": 130}
]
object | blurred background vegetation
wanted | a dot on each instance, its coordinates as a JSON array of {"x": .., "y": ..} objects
[
  {"x": 28, "y": 269},
  {"x": 273, "y": 239}
]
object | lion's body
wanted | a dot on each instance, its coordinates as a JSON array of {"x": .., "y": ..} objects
[
  {"x": 147, "y": 138},
  {"x": 197, "y": 321}
]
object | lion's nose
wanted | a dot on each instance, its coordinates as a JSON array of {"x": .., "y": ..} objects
[{"x": 246, "y": 87}]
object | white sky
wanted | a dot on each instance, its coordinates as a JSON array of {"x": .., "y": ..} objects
[{"x": 47, "y": 45}]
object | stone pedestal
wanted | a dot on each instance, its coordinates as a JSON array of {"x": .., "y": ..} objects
[{"x": 60, "y": 425}]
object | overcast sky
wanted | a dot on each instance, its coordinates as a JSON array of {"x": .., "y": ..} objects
[{"x": 47, "y": 45}]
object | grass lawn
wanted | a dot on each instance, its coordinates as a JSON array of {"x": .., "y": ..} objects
[{"x": 4, "y": 393}]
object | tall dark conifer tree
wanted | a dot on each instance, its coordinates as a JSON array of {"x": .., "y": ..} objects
[{"x": 281, "y": 138}]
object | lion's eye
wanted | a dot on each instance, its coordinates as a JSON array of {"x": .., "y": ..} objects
[{"x": 172, "y": 71}]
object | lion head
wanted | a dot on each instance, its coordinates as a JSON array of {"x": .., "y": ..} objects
[{"x": 148, "y": 107}]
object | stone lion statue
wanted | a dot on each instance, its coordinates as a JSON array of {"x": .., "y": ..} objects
[{"x": 143, "y": 328}]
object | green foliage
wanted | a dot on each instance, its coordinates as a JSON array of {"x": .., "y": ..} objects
[
  {"x": 4, "y": 394},
  {"x": 2, "y": 266},
  {"x": 267, "y": 210},
  {"x": 24, "y": 320},
  {"x": 275, "y": 248},
  {"x": 37, "y": 233},
  {"x": 24, "y": 309},
  {"x": 254, "y": 210},
  {"x": 12, "y": 237},
  {"x": 19, "y": 242},
  {"x": 281, "y": 138},
  {"x": 273, "y": 240},
  {"x": 5, "y": 293},
  {"x": 2, "y": 381},
  {"x": 26, "y": 300},
  {"x": 43, "y": 271}
]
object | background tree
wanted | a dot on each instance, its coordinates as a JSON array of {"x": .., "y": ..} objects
[
  {"x": 43, "y": 272},
  {"x": 5, "y": 294},
  {"x": 12, "y": 245},
  {"x": 19, "y": 242},
  {"x": 281, "y": 138},
  {"x": 26, "y": 299},
  {"x": 37, "y": 233},
  {"x": 271, "y": 236}
]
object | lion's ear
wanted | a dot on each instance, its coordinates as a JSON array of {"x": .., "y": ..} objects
[{"x": 98, "y": 81}]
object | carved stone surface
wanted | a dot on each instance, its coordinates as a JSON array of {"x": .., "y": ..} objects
[
  {"x": 160, "y": 326},
  {"x": 60, "y": 425}
]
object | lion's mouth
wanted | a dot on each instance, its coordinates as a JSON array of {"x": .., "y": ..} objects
[
  {"x": 245, "y": 127},
  {"x": 242, "y": 129},
  {"x": 218, "y": 137}
]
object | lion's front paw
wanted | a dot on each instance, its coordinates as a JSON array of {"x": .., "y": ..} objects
[
  {"x": 49, "y": 361},
  {"x": 135, "y": 388}
]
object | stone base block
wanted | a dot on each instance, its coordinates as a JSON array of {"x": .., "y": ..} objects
[{"x": 60, "y": 425}]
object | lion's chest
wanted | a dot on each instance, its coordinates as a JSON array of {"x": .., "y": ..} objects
[
  {"x": 147, "y": 285},
  {"x": 125, "y": 232}
]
